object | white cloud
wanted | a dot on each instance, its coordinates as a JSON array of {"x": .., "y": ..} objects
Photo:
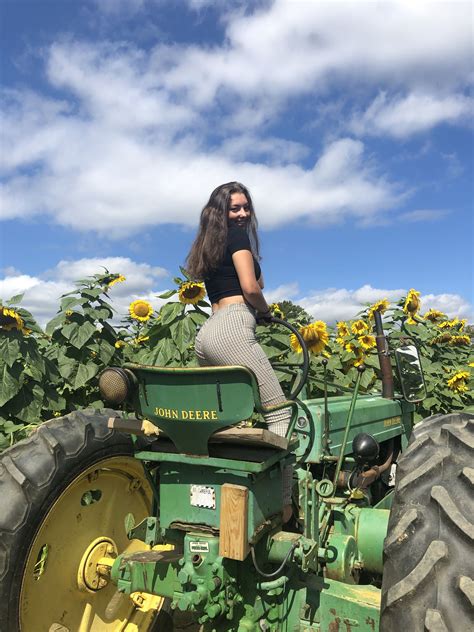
[
  {"x": 41, "y": 294},
  {"x": 335, "y": 304},
  {"x": 284, "y": 292},
  {"x": 127, "y": 145},
  {"x": 303, "y": 47},
  {"x": 451, "y": 304},
  {"x": 403, "y": 116},
  {"x": 423, "y": 215},
  {"x": 104, "y": 176}
]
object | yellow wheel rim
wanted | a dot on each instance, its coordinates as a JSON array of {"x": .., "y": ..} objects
[{"x": 87, "y": 519}]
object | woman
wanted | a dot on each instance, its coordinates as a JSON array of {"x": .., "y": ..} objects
[{"x": 225, "y": 254}]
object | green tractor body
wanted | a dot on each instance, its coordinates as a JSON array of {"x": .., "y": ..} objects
[
  {"x": 174, "y": 508},
  {"x": 219, "y": 502}
]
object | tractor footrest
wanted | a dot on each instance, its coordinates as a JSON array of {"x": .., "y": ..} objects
[{"x": 258, "y": 437}]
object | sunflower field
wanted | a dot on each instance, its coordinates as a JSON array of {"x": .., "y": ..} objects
[{"x": 50, "y": 372}]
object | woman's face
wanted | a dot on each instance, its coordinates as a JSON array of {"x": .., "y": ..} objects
[{"x": 239, "y": 209}]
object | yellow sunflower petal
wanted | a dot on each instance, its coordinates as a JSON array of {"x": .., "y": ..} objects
[
  {"x": 367, "y": 341},
  {"x": 380, "y": 306},
  {"x": 359, "y": 327},
  {"x": 118, "y": 279},
  {"x": 10, "y": 319}
]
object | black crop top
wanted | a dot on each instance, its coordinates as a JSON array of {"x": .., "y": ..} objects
[{"x": 224, "y": 280}]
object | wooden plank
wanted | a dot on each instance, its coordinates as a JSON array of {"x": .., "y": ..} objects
[
  {"x": 252, "y": 436},
  {"x": 233, "y": 542},
  {"x": 133, "y": 426}
]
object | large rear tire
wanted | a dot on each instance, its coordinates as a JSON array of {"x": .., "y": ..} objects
[
  {"x": 65, "y": 492},
  {"x": 428, "y": 578}
]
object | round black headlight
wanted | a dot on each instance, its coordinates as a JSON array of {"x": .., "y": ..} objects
[
  {"x": 365, "y": 448},
  {"x": 116, "y": 384}
]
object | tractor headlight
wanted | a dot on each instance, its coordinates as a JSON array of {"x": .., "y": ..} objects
[{"x": 116, "y": 384}]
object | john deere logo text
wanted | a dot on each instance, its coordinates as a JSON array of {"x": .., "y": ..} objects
[
  {"x": 392, "y": 421},
  {"x": 174, "y": 413}
]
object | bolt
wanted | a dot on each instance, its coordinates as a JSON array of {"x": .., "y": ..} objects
[{"x": 134, "y": 485}]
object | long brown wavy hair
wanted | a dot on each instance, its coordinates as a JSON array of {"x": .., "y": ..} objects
[{"x": 210, "y": 244}]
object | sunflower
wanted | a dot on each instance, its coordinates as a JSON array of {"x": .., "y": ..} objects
[
  {"x": 360, "y": 359},
  {"x": 119, "y": 344},
  {"x": 380, "y": 306},
  {"x": 140, "y": 310},
  {"x": 367, "y": 341},
  {"x": 412, "y": 306},
  {"x": 359, "y": 328},
  {"x": 315, "y": 335},
  {"x": 342, "y": 328},
  {"x": 449, "y": 324},
  {"x": 460, "y": 340},
  {"x": 276, "y": 311},
  {"x": 434, "y": 315},
  {"x": 350, "y": 347},
  {"x": 458, "y": 382},
  {"x": 441, "y": 339},
  {"x": 191, "y": 292},
  {"x": 118, "y": 279},
  {"x": 140, "y": 339},
  {"x": 9, "y": 319}
]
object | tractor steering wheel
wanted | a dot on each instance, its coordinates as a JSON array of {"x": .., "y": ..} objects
[{"x": 303, "y": 368}]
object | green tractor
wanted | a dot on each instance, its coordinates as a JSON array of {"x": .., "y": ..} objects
[{"x": 168, "y": 515}]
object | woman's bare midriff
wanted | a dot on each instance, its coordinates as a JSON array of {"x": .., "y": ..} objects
[{"x": 228, "y": 300}]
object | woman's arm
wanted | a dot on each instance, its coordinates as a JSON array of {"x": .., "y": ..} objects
[
  {"x": 261, "y": 282},
  {"x": 252, "y": 291}
]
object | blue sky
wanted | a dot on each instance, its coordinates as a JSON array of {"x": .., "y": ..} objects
[{"x": 351, "y": 124}]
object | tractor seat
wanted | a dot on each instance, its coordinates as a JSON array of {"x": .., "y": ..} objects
[{"x": 189, "y": 405}]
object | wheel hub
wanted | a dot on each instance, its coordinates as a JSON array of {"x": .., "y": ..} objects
[{"x": 94, "y": 569}]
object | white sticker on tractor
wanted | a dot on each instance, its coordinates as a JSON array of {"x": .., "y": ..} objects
[
  {"x": 199, "y": 547},
  {"x": 202, "y": 496}
]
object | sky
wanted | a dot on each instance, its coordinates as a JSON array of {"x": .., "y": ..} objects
[{"x": 351, "y": 123}]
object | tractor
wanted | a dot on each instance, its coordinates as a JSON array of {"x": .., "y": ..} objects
[{"x": 164, "y": 512}]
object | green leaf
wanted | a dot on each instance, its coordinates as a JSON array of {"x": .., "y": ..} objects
[
  {"x": 167, "y": 294},
  {"x": 70, "y": 301},
  {"x": 106, "y": 351},
  {"x": 79, "y": 335},
  {"x": 14, "y": 300},
  {"x": 27, "y": 405},
  {"x": 183, "y": 333},
  {"x": 197, "y": 317},
  {"x": 92, "y": 293},
  {"x": 169, "y": 312},
  {"x": 55, "y": 322},
  {"x": 67, "y": 366},
  {"x": 9, "y": 383},
  {"x": 85, "y": 372},
  {"x": 9, "y": 349},
  {"x": 184, "y": 272},
  {"x": 366, "y": 378},
  {"x": 54, "y": 401}
]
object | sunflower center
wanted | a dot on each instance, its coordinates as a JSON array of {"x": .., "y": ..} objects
[
  {"x": 192, "y": 292},
  {"x": 141, "y": 309}
]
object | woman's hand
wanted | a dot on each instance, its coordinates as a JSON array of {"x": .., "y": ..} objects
[{"x": 264, "y": 317}]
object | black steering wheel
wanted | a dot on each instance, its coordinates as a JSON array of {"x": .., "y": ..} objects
[{"x": 302, "y": 367}]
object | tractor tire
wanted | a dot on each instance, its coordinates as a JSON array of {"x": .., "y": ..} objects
[
  {"x": 428, "y": 576},
  {"x": 65, "y": 493}
]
